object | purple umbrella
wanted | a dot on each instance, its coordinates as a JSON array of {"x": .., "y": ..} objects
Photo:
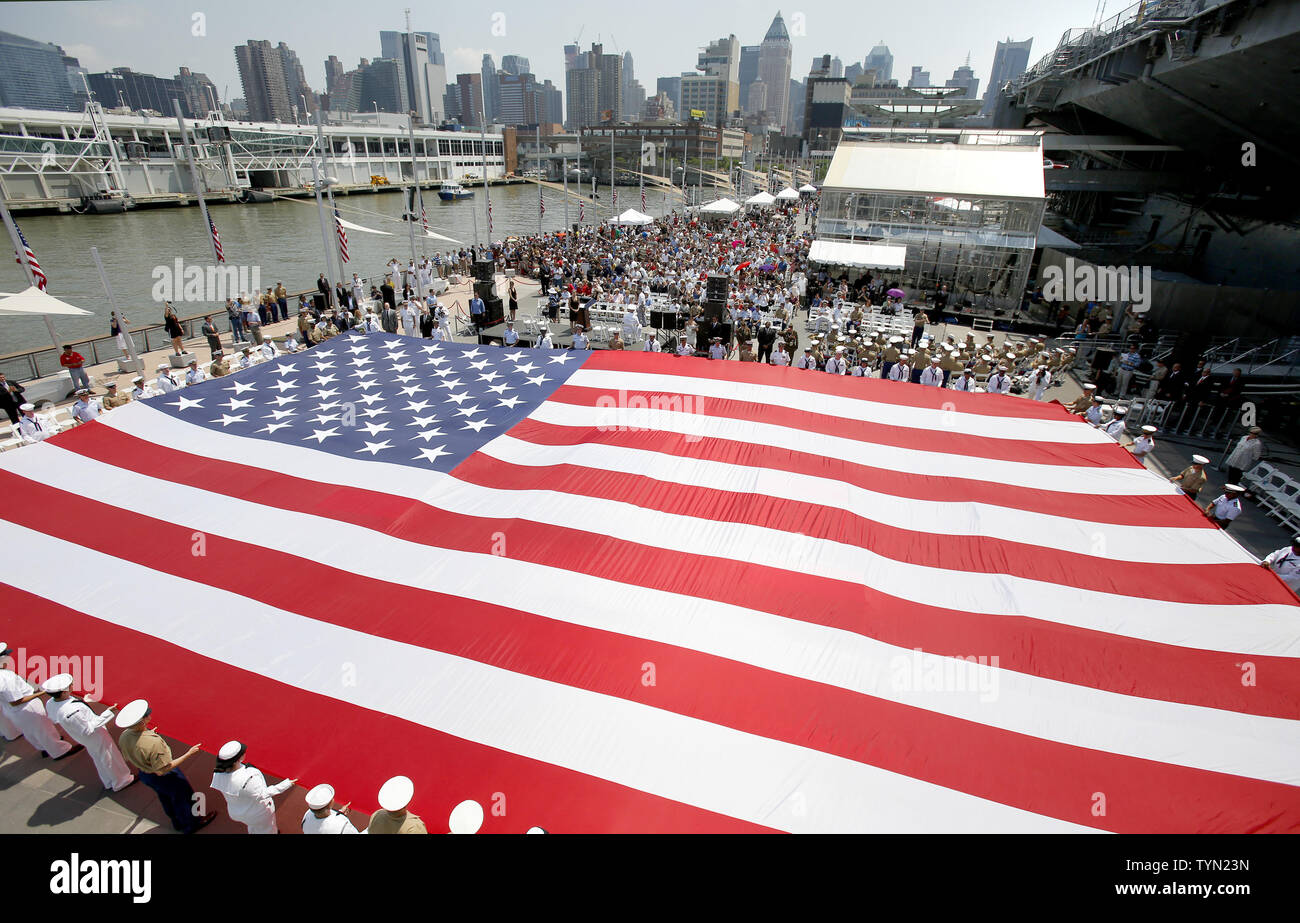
[{"x": 896, "y": 293}]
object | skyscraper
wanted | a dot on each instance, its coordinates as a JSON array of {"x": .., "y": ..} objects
[
  {"x": 673, "y": 87},
  {"x": 33, "y": 75},
  {"x": 774, "y": 70},
  {"x": 300, "y": 94},
  {"x": 198, "y": 92},
  {"x": 881, "y": 61},
  {"x": 582, "y": 92},
  {"x": 747, "y": 74},
  {"x": 919, "y": 78},
  {"x": 124, "y": 87},
  {"x": 491, "y": 89},
  {"x": 610, "y": 92},
  {"x": 716, "y": 91},
  {"x": 470, "y": 88},
  {"x": 965, "y": 78},
  {"x": 1009, "y": 61},
  {"x": 261, "y": 71},
  {"x": 515, "y": 64},
  {"x": 518, "y": 99},
  {"x": 421, "y": 68}
]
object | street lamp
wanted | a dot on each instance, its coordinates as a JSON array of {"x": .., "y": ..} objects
[{"x": 848, "y": 211}]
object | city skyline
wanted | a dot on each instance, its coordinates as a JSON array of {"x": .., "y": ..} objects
[{"x": 104, "y": 36}]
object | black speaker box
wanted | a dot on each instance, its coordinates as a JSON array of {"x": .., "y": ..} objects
[
  {"x": 493, "y": 312},
  {"x": 485, "y": 290},
  {"x": 717, "y": 286},
  {"x": 715, "y": 310},
  {"x": 484, "y": 269}
]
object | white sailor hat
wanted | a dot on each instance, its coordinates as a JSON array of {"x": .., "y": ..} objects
[
  {"x": 132, "y": 714},
  {"x": 322, "y": 796},
  {"x": 1002, "y": 368},
  {"x": 27, "y": 406},
  {"x": 1150, "y": 429},
  {"x": 396, "y": 793},
  {"x": 543, "y": 829},
  {"x": 839, "y": 349},
  {"x": 137, "y": 379},
  {"x": 466, "y": 817},
  {"x": 231, "y": 750},
  {"x": 1090, "y": 387},
  {"x": 61, "y": 682},
  {"x": 162, "y": 367},
  {"x": 935, "y": 360},
  {"x": 1120, "y": 411},
  {"x": 1234, "y": 488},
  {"x": 82, "y": 391},
  {"x": 895, "y": 339},
  {"x": 1200, "y": 460}
]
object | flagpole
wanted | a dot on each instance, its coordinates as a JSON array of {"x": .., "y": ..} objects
[
  {"x": 324, "y": 231},
  {"x": 121, "y": 318},
  {"x": 640, "y": 171},
  {"x": 198, "y": 181},
  {"x": 415, "y": 176},
  {"x": 482, "y": 133},
  {"x": 329, "y": 192},
  {"x": 564, "y": 168},
  {"x": 538, "y": 160},
  {"x": 21, "y": 252},
  {"x": 613, "y": 196}
]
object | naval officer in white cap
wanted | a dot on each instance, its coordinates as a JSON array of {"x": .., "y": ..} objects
[
  {"x": 87, "y": 728},
  {"x": 393, "y": 817},
  {"x": 322, "y": 816},
  {"x": 145, "y": 749},
  {"x": 248, "y": 798},
  {"x": 30, "y": 428},
  {"x": 21, "y": 704}
]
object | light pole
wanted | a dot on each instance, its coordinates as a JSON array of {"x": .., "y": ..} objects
[{"x": 848, "y": 212}]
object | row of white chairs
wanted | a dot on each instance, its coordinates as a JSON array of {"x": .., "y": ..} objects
[{"x": 1276, "y": 492}]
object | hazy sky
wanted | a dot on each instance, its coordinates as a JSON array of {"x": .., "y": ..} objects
[{"x": 157, "y": 36}]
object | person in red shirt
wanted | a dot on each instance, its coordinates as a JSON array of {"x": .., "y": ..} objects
[{"x": 74, "y": 362}]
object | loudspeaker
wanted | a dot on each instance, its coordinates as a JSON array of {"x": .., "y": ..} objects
[
  {"x": 485, "y": 290},
  {"x": 493, "y": 312},
  {"x": 665, "y": 320},
  {"x": 715, "y": 310},
  {"x": 717, "y": 286},
  {"x": 484, "y": 269}
]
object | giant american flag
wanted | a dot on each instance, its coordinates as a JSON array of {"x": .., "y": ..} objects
[{"x": 624, "y": 591}]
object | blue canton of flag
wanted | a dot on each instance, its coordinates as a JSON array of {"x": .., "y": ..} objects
[{"x": 380, "y": 396}]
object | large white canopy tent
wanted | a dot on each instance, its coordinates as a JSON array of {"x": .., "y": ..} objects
[
  {"x": 720, "y": 207},
  {"x": 787, "y": 194},
  {"x": 761, "y": 198},
  {"x": 632, "y": 217},
  {"x": 857, "y": 256}
]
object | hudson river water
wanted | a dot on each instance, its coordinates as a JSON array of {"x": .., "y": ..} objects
[{"x": 282, "y": 239}]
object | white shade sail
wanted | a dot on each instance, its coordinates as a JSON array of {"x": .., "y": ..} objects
[
  {"x": 632, "y": 216},
  {"x": 451, "y": 240},
  {"x": 858, "y": 256},
  {"x": 762, "y": 198},
  {"x": 720, "y": 207},
  {"x": 35, "y": 301},
  {"x": 807, "y": 187},
  {"x": 356, "y": 227},
  {"x": 787, "y": 194}
]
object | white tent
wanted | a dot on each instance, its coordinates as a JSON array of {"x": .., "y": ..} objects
[
  {"x": 787, "y": 194},
  {"x": 762, "y": 198},
  {"x": 720, "y": 207},
  {"x": 35, "y": 301},
  {"x": 632, "y": 216},
  {"x": 807, "y": 187},
  {"x": 859, "y": 256}
]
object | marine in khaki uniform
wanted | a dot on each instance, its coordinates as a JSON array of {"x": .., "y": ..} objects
[
  {"x": 113, "y": 399},
  {"x": 219, "y": 366},
  {"x": 145, "y": 749},
  {"x": 393, "y": 817},
  {"x": 1083, "y": 401},
  {"x": 951, "y": 362}
]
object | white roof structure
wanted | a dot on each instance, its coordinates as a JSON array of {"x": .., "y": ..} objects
[
  {"x": 858, "y": 256},
  {"x": 357, "y": 227},
  {"x": 958, "y": 170},
  {"x": 787, "y": 194},
  {"x": 761, "y": 198},
  {"x": 720, "y": 207},
  {"x": 807, "y": 187},
  {"x": 632, "y": 216},
  {"x": 34, "y": 301}
]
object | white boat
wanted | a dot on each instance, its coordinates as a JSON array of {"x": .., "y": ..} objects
[{"x": 450, "y": 191}]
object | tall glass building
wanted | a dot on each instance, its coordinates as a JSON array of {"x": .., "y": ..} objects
[{"x": 33, "y": 75}]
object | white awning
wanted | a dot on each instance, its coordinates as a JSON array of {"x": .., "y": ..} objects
[
  {"x": 720, "y": 207},
  {"x": 632, "y": 216},
  {"x": 35, "y": 301},
  {"x": 762, "y": 198},
  {"x": 958, "y": 170},
  {"x": 807, "y": 187},
  {"x": 787, "y": 194},
  {"x": 859, "y": 256}
]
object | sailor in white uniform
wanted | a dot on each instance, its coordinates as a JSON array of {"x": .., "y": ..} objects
[
  {"x": 21, "y": 703},
  {"x": 322, "y": 816},
  {"x": 410, "y": 318},
  {"x": 30, "y": 428},
  {"x": 1285, "y": 562},
  {"x": 806, "y": 361},
  {"x": 862, "y": 369},
  {"x": 902, "y": 369},
  {"x": 1143, "y": 444},
  {"x": 164, "y": 382},
  {"x": 1042, "y": 378},
  {"x": 779, "y": 355},
  {"x": 999, "y": 383},
  {"x": 967, "y": 382},
  {"x": 88, "y": 729},
  {"x": 836, "y": 365},
  {"x": 580, "y": 340},
  {"x": 631, "y": 326},
  {"x": 248, "y": 797},
  {"x": 1093, "y": 413},
  {"x": 684, "y": 348},
  {"x": 933, "y": 376},
  {"x": 651, "y": 343},
  {"x": 544, "y": 342},
  {"x": 1115, "y": 428},
  {"x": 84, "y": 409}
]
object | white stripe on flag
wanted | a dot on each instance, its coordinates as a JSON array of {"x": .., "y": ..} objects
[{"x": 745, "y": 776}]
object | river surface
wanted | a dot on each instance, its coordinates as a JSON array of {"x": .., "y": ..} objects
[{"x": 281, "y": 240}]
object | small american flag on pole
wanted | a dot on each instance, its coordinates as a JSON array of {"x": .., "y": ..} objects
[
  {"x": 37, "y": 273},
  {"x": 489, "y": 217},
  {"x": 642, "y": 200},
  {"x": 216, "y": 241},
  {"x": 343, "y": 236},
  {"x": 541, "y": 202},
  {"x": 580, "y": 210},
  {"x": 424, "y": 215}
]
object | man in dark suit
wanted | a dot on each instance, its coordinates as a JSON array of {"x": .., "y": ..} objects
[
  {"x": 388, "y": 294},
  {"x": 323, "y": 286},
  {"x": 11, "y": 397}
]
